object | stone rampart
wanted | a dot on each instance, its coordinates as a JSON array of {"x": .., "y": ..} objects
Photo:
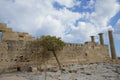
[
  {"x": 14, "y": 54},
  {"x": 17, "y": 52}
]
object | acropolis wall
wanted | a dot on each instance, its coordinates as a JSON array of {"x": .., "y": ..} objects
[{"x": 16, "y": 51}]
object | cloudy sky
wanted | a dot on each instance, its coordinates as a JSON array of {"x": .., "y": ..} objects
[{"x": 72, "y": 20}]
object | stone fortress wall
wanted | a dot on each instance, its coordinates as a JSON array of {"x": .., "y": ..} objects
[
  {"x": 8, "y": 34},
  {"x": 17, "y": 53}
]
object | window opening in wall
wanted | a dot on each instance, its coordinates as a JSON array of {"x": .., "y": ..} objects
[{"x": 0, "y": 36}]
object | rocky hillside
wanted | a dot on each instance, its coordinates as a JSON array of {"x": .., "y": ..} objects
[{"x": 96, "y": 71}]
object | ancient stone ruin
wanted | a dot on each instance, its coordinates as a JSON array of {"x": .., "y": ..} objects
[{"x": 17, "y": 53}]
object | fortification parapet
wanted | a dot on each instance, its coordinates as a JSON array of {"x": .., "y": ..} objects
[{"x": 73, "y": 44}]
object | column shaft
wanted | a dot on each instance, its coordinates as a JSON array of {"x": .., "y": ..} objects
[
  {"x": 92, "y": 39},
  {"x": 101, "y": 38},
  {"x": 112, "y": 47}
]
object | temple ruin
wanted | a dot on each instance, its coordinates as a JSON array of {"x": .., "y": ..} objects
[{"x": 17, "y": 53}]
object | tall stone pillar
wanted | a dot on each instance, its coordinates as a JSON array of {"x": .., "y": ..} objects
[
  {"x": 101, "y": 38},
  {"x": 92, "y": 38},
  {"x": 112, "y": 47}
]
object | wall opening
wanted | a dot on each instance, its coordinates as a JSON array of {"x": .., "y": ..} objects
[
  {"x": 85, "y": 54},
  {"x": 0, "y": 36},
  {"x": 18, "y": 69}
]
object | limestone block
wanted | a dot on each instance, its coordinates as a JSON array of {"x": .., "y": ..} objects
[{"x": 34, "y": 69}]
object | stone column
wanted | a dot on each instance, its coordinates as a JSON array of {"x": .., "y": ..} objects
[
  {"x": 101, "y": 38},
  {"x": 112, "y": 47},
  {"x": 92, "y": 38}
]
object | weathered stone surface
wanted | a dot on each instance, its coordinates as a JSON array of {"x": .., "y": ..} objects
[{"x": 96, "y": 71}]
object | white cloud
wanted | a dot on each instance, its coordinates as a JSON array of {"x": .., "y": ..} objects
[
  {"x": 103, "y": 12},
  {"x": 117, "y": 30},
  {"x": 69, "y": 3},
  {"x": 39, "y": 17},
  {"x": 56, "y": 22},
  {"x": 51, "y": 26},
  {"x": 84, "y": 30},
  {"x": 98, "y": 20}
]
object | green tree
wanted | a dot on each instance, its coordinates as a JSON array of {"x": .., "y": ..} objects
[
  {"x": 52, "y": 43},
  {"x": 39, "y": 53}
]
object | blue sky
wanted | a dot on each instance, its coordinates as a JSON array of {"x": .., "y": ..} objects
[{"x": 72, "y": 20}]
